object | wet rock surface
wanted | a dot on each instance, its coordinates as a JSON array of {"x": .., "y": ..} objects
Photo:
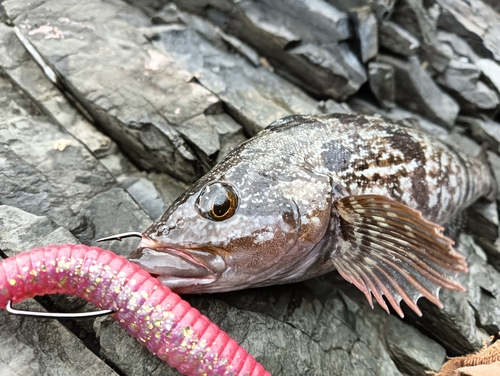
[{"x": 110, "y": 109}]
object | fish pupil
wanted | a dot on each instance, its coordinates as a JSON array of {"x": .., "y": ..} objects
[
  {"x": 217, "y": 202},
  {"x": 221, "y": 205}
]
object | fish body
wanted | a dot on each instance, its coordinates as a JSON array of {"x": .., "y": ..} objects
[{"x": 310, "y": 194}]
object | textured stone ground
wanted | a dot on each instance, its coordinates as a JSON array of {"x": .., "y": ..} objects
[{"x": 109, "y": 109}]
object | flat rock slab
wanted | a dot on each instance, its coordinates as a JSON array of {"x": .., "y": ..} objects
[
  {"x": 475, "y": 20},
  {"x": 138, "y": 97},
  {"x": 39, "y": 346},
  {"x": 32, "y": 347},
  {"x": 303, "y": 40},
  {"x": 254, "y": 96},
  {"x": 416, "y": 91},
  {"x": 45, "y": 170}
]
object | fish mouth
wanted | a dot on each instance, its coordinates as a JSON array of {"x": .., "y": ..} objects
[{"x": 178, "y": 267}]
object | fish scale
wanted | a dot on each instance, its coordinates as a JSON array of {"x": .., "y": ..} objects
[{"x": 310, "y": 194}]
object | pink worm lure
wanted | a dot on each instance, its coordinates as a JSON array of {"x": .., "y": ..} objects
[{"x": 167, "y": 325}]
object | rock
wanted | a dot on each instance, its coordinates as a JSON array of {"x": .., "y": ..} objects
[
  {"x": 38, "y": 346},
  {"x": 230, "y": 133},
  {"x": 168, "y": 187},
  {"x": 42, "y": 347},
  {"x": 253, "y": 96},
  {"x": 45, "y": 170},
  {"x": 483, "y": 225},
  {"x": 381, "y": 8},
  {"x": 483, "y": 130},
  {"x": 454, "y": 326},
  {"x": 202, "y": 137},
  {"x": 396, "y": 39},
  {"x": 145, "y": 194},
  {"x": 22, "y": 231},
  {"x": 316, "y": 315},
  {"x": 413, "y": 353},
  {"x": 459, "y": 46},
  {"x": 334, "y": 68},
  {"x": 475, "y": 21},
  {"x": 411, "y": 15},
  {"x": 330, "y": 107},
  {"x": 314, "y": 20},
  {"x": 113, "y": 212},
  {"x": 491, "y": 70},
  {"x": 141, "y": 125},
  {"x": 458, "y": 139},
  {"x": 18, "y": 65},
  {"x": 416, "y": 91},
  {"x": 303, "y": 41},
  {"x": 494, "y": 4},
  {"x": 460, "y": 79},
  {"x": 381, "y": 79},
  {"x": 176, "y": 91},
  {"x": 494, "y": 161},
  {"x": 366, "y": 27}
]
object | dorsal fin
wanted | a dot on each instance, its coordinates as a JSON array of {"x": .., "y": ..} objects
[{"x": 388, "y": 249}]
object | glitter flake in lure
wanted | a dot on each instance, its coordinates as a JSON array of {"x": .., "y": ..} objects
[{"x": 167, "y": 325}]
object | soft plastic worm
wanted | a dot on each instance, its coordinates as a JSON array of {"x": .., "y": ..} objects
[{"x": 167, "y": 325}]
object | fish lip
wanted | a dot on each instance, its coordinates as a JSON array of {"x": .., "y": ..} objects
[{"x": 201, "y": 257}]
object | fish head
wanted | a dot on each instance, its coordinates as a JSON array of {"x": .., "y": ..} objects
[{"x": 237, "y": 227}]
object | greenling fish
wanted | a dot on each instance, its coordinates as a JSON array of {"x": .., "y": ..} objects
[{"x": 310, "y": 194}]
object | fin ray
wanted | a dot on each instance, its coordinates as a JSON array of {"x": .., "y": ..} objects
[{"x": 389, "y": 250}]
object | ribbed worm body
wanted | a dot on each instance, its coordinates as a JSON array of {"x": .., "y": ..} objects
[{"x": 167, "y": 325}]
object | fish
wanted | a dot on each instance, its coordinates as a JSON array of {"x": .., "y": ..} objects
[{"x": 310, "y": 194}]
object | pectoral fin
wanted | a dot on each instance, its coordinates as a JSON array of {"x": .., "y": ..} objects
[{"x": 388, "y": 249}]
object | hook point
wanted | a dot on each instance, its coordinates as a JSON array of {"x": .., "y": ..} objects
[{"x": 119, "y": 237}]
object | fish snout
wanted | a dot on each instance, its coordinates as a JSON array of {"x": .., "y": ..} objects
[{"x": 177, "y": 266}]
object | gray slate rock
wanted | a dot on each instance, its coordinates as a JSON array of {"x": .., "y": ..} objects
[
  {"x": 141, "y": 124},
  {"x": 366, "y": 27},
  {"x": 28, "y": 75},
  {"x": 455, "y": 326},
  {"x": 30, "y": 346},
  {"x": 413, "y": 352},
  {"x": 381, "y": 79},
  {"x": 491, "y": 70},
  {"x": 253, "y": 96},
  {"x": 483, "y": 130},
  {"x": 382, "y": 8},
  {"x": 483, "y": 225},
  {"x": 21, "y": 69},
  {"x": 33, "y": 347},
  {"x": 475, "y": 21},
  {"x": 168, "y": 187},
  {"x": 45, "y": 170},
  {"x": 22, "y": 231},
  {"x": 416, "y": 91},
  {"x": 396, "y": 39},
  {"x": 461, "y": 80},
  {"x": 412, "y": 15},
  {"x": 330, "y": 107},
  {"x": 113, "y": 212},
  {"x": 324, "y": 325},
  {"x": 302, "y": 40},
  {"x": 146, "y": 195}
]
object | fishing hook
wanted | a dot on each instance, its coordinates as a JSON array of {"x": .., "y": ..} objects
[
  {"x": 119, "y": 237},
  {"x": 50, "y": 315}
]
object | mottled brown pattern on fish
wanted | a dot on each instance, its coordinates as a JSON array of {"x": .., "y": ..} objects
[{"x": 322, "y": 192}]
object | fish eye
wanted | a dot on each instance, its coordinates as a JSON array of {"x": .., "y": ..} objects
[{"x": 217, "y": 202}]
